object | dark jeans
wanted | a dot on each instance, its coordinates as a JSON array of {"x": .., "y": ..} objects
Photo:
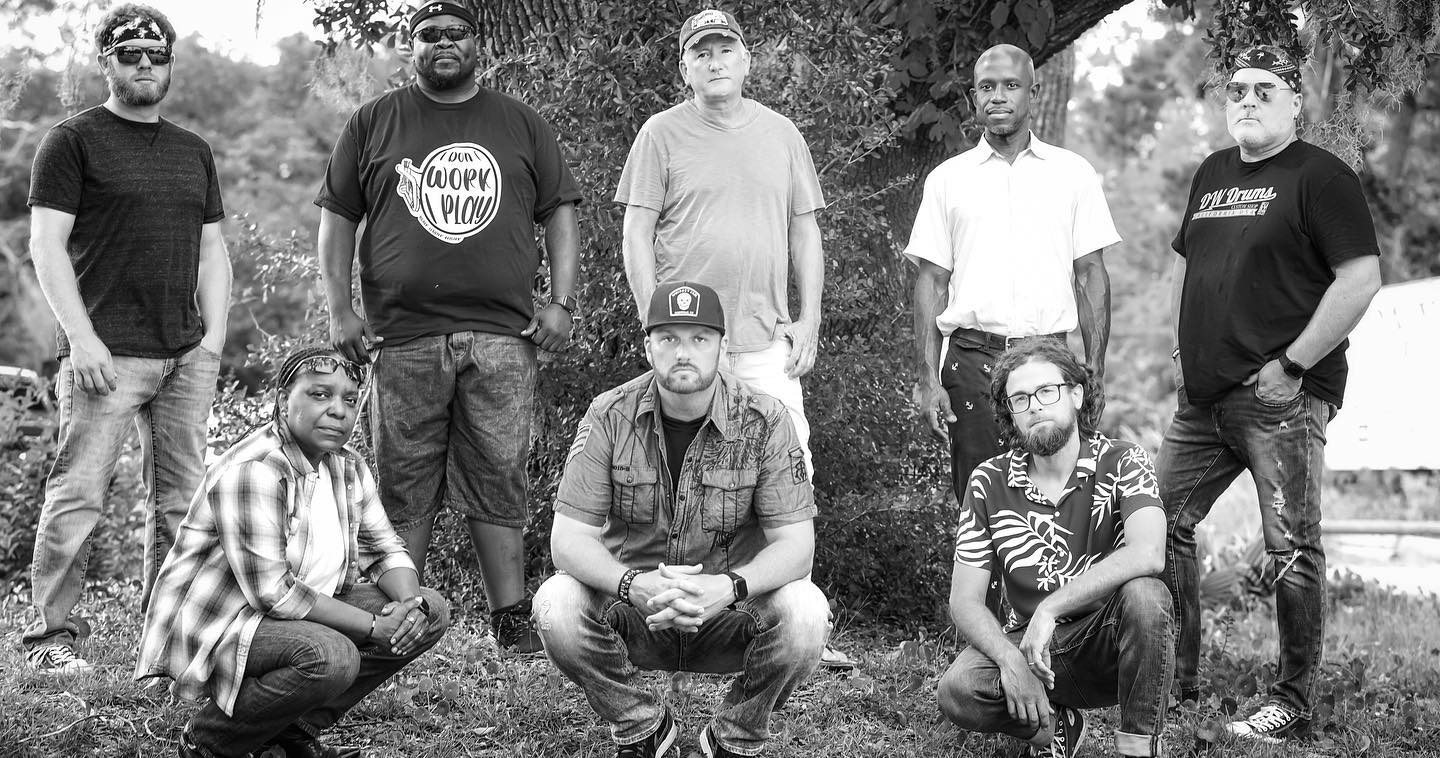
[
  {"x": 773, "y": 640},
  {"x": 1283, "y": 446},
  {"x": 1122, "y": 653},
  {"x": 306, "y": 675}
]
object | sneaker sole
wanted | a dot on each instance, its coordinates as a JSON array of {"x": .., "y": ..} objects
[{"x": 1253, "y": 736}]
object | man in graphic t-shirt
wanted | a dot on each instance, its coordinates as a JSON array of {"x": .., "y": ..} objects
[
  {"x": 1072, "y": 519},
  {"x": 721, "y": 189},
  {"x": 450, "y": 179},
  {"x": 125, "y": 234},
  {"x": 1278, "y": 262}
]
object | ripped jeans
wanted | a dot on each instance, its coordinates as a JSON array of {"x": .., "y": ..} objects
[{"x": 1283, "y": 446}]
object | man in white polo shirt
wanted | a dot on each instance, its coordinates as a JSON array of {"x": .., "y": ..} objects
[{"x": 1009, "y": 239}]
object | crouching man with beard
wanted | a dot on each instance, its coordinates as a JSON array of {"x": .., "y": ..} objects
[
  {"x": 1075, "y": 522},
  {"x": 684, "y": 536}
]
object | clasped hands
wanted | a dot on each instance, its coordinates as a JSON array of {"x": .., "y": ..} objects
[
  {"x": 680, "y": 597},
  {"x": 399, "y": 626}
]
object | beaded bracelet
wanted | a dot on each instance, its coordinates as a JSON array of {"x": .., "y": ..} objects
[{"x": 625, "y": 581}]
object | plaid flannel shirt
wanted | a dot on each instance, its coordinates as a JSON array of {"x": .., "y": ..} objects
[{"x": 235, "y": 558}]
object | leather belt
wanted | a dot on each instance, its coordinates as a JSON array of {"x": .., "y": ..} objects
[{"x": 998, "y": 341}]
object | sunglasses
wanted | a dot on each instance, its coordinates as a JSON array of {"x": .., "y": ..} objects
[
  {"x": 130, "y": 55},
  {"x": 1264, "y": 91},
  {"x": 432, "y": 34},
  {"x": 324, "y": 364}
]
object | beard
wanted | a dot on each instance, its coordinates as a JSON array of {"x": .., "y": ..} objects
[
  {"x": 698, "y": 382},
  {"x": 138, "y": 95},
  {"x": 1048, "y": 441},
  {"x": 462, "y": 75}
]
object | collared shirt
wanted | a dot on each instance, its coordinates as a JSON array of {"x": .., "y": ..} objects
[
  {"x": 1009, "y": 235},
  {"x": 744, "y": 472},
  {"x": 1041, "y": 545},
  {"x": 237, "y": 555}
]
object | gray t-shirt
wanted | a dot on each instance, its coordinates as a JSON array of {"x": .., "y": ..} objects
[{"x": 725, "y": 197}]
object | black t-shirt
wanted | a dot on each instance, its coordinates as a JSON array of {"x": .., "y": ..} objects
[
  {"x": 140, "y": 193},
  {"x": 1261, "y": 241},
  {"x": 678, "y": 436},
  {"x": 450, "y": 193}
]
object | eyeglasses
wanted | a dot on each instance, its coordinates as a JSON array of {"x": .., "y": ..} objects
[
  {"x": 1264, "y": 91},
  {"x": 432, "y": 34},
  {"x": 130, "y": 55},
  {"x": 324, "y": 364},
  {"x": 1048, "y": 394}
]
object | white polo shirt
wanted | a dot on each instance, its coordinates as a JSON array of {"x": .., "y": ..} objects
[{"x": 1009, "y": 235}]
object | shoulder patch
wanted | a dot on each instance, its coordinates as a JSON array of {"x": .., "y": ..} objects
[
  {"x": 581, "y": 435},
  {"x": 798, "y": 472}
]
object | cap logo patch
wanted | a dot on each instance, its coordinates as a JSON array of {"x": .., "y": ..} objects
[
  {"x": 707, "y": 18},
  {"x": 685, "y": 301}
]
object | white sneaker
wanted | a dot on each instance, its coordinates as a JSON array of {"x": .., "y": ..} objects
[
  {"x": 1272, "y": 724},
  {"x": 56, "y": 659}
]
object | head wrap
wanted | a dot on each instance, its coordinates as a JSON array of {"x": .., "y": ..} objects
[
  {"x": 1272, "y": 59},
  {"x": 442, "y": 9},
  {"x": 138, "y": 27}
]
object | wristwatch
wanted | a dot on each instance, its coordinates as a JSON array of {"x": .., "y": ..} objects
[
  {"x": 568, "y": 302},
  {"x": 737, "y": 582},
  {"x": 1291, "y": 368}
]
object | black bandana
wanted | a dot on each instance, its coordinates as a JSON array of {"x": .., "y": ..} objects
[
  {"x": 138, "y": 27},
  {"x": 441, "y": 9},
  {"x": 1272, "y": 59}
]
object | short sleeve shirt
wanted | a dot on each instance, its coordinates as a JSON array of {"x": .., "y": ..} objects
[
  {"x": 744, "y": 472},
  {"x": 140, "y": 193},
  {"x": 1009, "y": 235},
  {"x": 725, "y": 195},
  {"x": 1261, "y": 241},
  {"x": 450, "y": 194},
  {"x": 1042, "y": 546}
]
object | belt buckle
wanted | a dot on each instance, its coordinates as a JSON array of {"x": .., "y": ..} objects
[{"x": 1012, "y": 340}]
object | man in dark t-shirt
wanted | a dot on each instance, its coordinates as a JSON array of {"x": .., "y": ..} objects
[
  {"x": 450, "y": 179},
  {"x": 1278, "y": 261},
  {"x": 1072, "y": 520},
  {"x": 126, "y": 240}
]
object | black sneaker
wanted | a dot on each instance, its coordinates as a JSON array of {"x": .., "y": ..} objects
[
  {"x": 1272, "y": 724},
  {"x": 654, "y": 746},
  {"x": 1070, "y": 733},
  {"x": 712, "y": 749},
  {"x": 513, "y": 631}
]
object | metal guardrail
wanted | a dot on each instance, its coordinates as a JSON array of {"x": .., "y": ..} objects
[{"x": 1381, "y": 526}]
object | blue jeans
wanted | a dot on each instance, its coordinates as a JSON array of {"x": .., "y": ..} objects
[
  {"x": 1122, "y": 653},
  {"x": 1283, "y": 446},
  {"x": 450, "y": 420},
  {"x": 168, "y": 401},
  {"x": 773, "y": 640},
  {"x": 304, "y": 676}
]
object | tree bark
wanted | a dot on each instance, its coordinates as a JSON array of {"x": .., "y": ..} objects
[{"x": 1055, "y": 78}]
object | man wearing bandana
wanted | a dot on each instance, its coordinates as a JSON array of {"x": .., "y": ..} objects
[
  {"x": 1277, "y": 263},
  {"x": 451, "y": 180},
  {"x": 126, "y": 239},
  {"x": 684, "y": 537}
]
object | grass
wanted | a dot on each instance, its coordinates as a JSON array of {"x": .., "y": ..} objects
[{"x": 1381, "y": 681}]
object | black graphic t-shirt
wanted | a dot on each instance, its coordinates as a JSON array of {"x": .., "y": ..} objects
[
  {"x": 1261, "y": 241},
  {"x": 450, "y": 194},
  {"x": 140, "y": 193}
]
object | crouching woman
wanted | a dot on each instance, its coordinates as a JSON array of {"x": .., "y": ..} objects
[{"x": 257, "y": 605}]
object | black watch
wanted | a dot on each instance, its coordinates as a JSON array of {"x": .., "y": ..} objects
[
  {"x": 1291, "y": 368},
  {"x": 737, "y": 583},
  {"x": 568, "y": 302}
]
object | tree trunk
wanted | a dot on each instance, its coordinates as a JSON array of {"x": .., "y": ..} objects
[
  {"x": 1399, "y": 138},
  {"x": 1055, "y": 78}
]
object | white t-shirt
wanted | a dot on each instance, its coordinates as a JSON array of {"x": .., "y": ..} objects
[
  {"x": 1009, "y": 235},
  {"x": 323, "y": 567}
]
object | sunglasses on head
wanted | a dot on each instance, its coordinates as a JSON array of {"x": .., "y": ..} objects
[
  {"x": 130, "y": 54},
  {"x": 1264, "y": 91},
  {"x": 432, "y": 34},
  {"x": 325, "y": 364}
]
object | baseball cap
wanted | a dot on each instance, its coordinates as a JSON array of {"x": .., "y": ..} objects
[
  {"x": 685, "y": 303},
  {"x": 707, "y": 21}
]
